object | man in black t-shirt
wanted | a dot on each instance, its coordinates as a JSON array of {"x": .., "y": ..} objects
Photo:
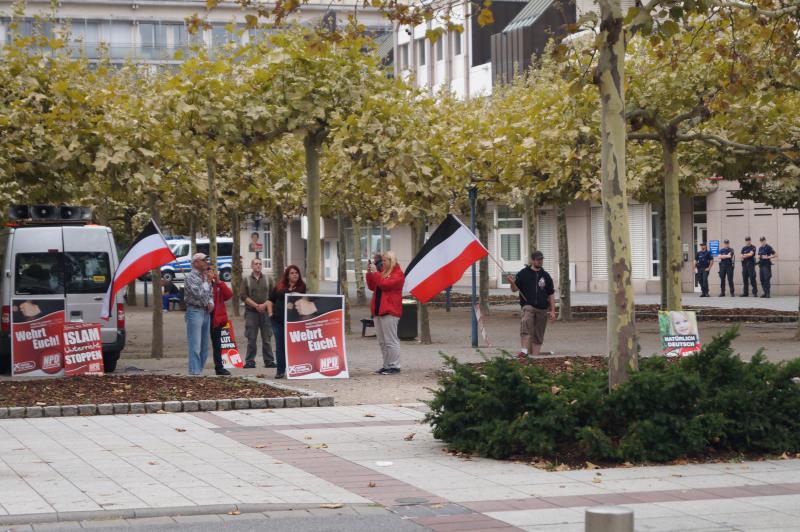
[
  {"x": 726, "y": 267},
  {"x": 535, "y": 287}
]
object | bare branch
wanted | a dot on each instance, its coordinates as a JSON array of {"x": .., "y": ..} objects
[
  {"x": 770, "y": 13},
  {"x": 722, "y": 142},
  {"x": 643, "y": 136}
]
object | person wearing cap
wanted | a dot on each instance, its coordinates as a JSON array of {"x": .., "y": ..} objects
[
  {"x": 749, "y": 267},
  {"x": 702, "y": 265},
  {"x": 254, "y": 292},
  {"x": 197, "y": 294},
  {"x": 766, "y": 254},
  {"x": 726, "y": 267},
  {"x": 537, "y": 299}
]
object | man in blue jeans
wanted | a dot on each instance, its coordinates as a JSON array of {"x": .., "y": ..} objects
[{"x": 199, "y": 301}]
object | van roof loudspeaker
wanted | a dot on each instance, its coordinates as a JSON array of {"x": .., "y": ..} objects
[
  {"x": 75, "y": 212},
  {"x": 19, "y": 212},
  {"x": 44, "y": 212}
]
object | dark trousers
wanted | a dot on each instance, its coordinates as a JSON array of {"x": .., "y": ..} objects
[
  {"x": 280, "y": 352},
  {"x": 255, "y": 323},
  {"x": 749, "y": 276},
  {"x": 765, "y": 276},
  {"x": 216, "y": 346},
  {"x": 702, "y": 280},
  {"x": 726, "y": 271}
]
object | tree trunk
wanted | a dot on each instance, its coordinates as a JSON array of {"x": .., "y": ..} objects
[
  {"x": 532, "y": 217},
  {"x": 797, "y": 334},
  {"x": 236, "y": 263},
  {"x": 131, "y": 301},
  {"x": 157, "y": 341},
  {"x": 482, "y": 227},
  {"x": 278, "y": 232},
  {"x": 609, "y": 75},
  {"x": 565, "y": 300},
  {"x": 212, "y": 211},
  {"x": 662, "y": 253},
  {"x": 312, "y": 143},
  {"x": 423, "y": 319},
  {"x": 358, "y": 266},
  {"x": 672, "y": 210},
  {"x": 192, "y": 234},
  {"x": 342, "y": 259}
]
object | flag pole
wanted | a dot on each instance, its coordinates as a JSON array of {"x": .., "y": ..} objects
[{"x": 473, "y": 196}]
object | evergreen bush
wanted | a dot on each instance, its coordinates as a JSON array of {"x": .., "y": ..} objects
[{"x": 712, "y": 402}]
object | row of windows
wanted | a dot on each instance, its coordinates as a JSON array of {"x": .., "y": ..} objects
[{"x": 421, "y": 49}]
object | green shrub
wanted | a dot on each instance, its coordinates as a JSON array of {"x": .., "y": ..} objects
[{"x": 709, "y": 402}]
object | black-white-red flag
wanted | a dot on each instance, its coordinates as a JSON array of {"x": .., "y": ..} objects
[
  {"x": 148, "y": 252},
  {"x": 451, "y": 249}
]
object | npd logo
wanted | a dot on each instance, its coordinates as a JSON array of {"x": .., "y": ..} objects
[{"x": 329, "y": 364}]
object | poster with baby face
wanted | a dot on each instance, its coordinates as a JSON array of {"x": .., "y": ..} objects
[
  {"x": 37, "y": 328},
  {"x": 314, "y": 337},
  {"x": 679, "y": 334}
]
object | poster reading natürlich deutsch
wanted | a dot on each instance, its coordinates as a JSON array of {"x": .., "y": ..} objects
[
  {"x": 314, "y": 337},
  {"x": 679, "y": 334},
  {"x": 37, "y": 329}
]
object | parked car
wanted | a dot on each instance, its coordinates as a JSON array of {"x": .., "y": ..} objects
[
  {"x": 181, "y": 249},
  {"x": 54, "y": 259}
]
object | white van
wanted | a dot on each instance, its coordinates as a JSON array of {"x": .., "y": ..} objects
[
  {"x": 50, "y": 259},
  {"x": 183, "y": 264}
]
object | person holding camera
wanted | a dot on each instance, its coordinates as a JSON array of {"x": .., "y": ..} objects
[
  {"x": 219, "y": 318},
  {"x": 386, "y": 308}
]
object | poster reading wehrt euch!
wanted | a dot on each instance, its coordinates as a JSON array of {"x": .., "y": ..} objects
[
  {"x": 37, "y": 344},
  {"x": 314, "y": 337},
  {"x": 231, "y": 358},
  {"x": 679, "y": 335},
  {"x": 83, "y": 349}
]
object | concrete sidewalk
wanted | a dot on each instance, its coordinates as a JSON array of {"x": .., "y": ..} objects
[{"x": 375, "y": 460}]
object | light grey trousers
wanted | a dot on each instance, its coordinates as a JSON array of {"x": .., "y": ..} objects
[{"x": 386, "y": 330}]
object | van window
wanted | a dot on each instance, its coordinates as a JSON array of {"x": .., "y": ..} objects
[
  {"x": 180, "y": 250},
  {"x": 39, "y": 273},
  {"x": 88, "y": 272},
  {"x": 203, "y": 248},
  {"x": 225, "y": 249}
]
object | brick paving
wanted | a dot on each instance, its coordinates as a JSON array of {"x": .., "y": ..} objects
[{"x": 366, "y": 458}]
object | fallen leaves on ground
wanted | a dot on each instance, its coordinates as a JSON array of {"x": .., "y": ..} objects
[
  {"x": 369, "y": 415},
  {"x": 331, "y": 506},
  {"x": 371, "y": 484},
  {"x": 180, "y": 430},
  {"x": 409, "y": 437}
]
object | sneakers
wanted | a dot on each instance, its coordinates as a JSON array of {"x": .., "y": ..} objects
[
  {"x": 222, "y": 371},
  {"x": 249, "y": 365},
  {"x": 390, "y": 371},
  {"x": 379, "y": 371},
  {"x": 280, "y": 375}
]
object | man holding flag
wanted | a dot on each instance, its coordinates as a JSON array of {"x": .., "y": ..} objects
[{"x": 536, "y": 297}]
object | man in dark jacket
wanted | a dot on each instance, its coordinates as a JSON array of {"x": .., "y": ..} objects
[
  {"x": 702, "y": 265},
  {"x": 726, "y": 267},
  {"x": 537, "y": 299}
]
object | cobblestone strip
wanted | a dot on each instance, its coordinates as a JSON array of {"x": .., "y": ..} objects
[{"x": 419, "y": 505}]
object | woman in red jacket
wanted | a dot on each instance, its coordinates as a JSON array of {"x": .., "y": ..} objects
[
  {"x": 219, "y": 318},
  {"x": 386, "y": 308}
]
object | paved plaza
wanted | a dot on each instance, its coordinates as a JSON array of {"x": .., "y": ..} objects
[{"x": 376, "y": 465}]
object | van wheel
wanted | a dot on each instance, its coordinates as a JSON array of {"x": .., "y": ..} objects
[
  {"x": 226, "y": 275},
  {"x": 110, "y": 361},
  {"x": 168, "y": 276}
]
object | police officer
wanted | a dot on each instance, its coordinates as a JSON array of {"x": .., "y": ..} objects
[
  {"x": 766, "y": 254},
  {"x": 726, "y": 267},
  {"x": 702, "y": 264},
  {"x": 749, "y": 267}
]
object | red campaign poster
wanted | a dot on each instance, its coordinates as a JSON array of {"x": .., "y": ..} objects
[
  {"x": 314, "y": 337},
  {"x": 230, "y": 353},
  {"x": 37, "y": 327},
  {"x": 83, "y": 349}
]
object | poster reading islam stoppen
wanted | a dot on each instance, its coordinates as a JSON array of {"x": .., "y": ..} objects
[
  {"x": 37, "y": 347},
  {"x": 314, "y": 337},
  {"x": 679, "y": 334},
  {"x": 83, "y": 349},
  {"x": 231, "y": 358}
]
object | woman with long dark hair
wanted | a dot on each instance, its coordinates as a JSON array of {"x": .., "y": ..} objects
[{"x": 291, "y": 283}]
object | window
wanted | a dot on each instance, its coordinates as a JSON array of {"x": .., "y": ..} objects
[
  {"x": 403, "y": 53},
  {"x": 439, "y": 49},
  {"x": 511, "y": 247},
  {"x": 225, "y": 249},
  {"x": 655, "y": 236},
  {"x": 380, "y": 238},
  {"x": 456, "y": 43},
  {"x": 508, "y": 217},
  {"x": 180, "y": 250},
  {"x": 39, "y": 273},
  {"x": 88, "y": 272},
  {"x": 266, "y": 254},
  {"x": 420, "y": 44}
]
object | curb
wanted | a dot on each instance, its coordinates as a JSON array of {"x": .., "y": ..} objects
[
  {"x": 306, "y": 399},
  {"x": 168, "y": 511}
]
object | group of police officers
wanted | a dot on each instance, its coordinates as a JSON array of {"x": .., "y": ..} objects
[{"x": 764, "y": 253}]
